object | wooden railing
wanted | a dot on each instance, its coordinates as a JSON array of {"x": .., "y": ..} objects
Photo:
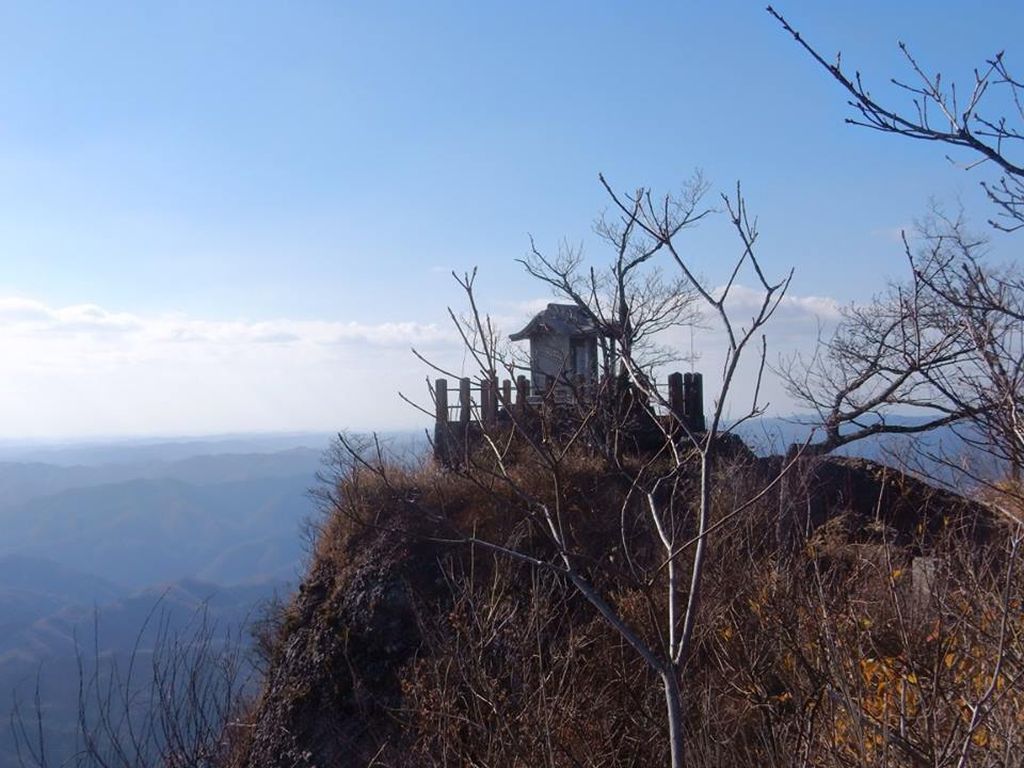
[
  {"x": 490, "y": 397},
  {"x": 463, "y": 411}
]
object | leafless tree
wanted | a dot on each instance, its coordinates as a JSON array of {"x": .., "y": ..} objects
[
  {"x": 948, "y": 342},
  {"x": 943, "y": 348},
  {"x": 906, "y": 352},
  {"x": 986, "y": 118},
  {"x": 987, "y": 303},
  {"x": 632, "y": 301},
  {"x": 666, "y": 517}
]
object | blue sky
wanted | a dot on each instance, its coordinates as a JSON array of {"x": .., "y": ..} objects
[{"x": 235, "y": 171}]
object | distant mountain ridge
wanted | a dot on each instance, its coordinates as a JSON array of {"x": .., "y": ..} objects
[
  {"x": 143, "y": 531},
  {"x": 22, "y": 481},
  {"x": 144, "y": 450},
  {"x": 106, "y": 538}
]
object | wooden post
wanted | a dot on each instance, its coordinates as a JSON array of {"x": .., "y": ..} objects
[
  {"x": 441, "y": 401},
  {"x": 488, "y": 401},
  {"x": 676, "y": 403},
  {"x": 465, "y": 402},
  {"x": 688, "y": 400},
  {"x": 441, "y": 436},
  {"x": 522, "y": 392},
  {"x": 698, "y": 403},
  {"x": 506, "y": 394},
  {"x": 693, "y": 401}
]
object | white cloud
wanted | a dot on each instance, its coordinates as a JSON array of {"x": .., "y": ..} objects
[
  {"x": 14, "y": 309},
  {"x": 744, "y": 299},
  {"x": 87, "y": 370},
  {"x": 32, "y": 319}
]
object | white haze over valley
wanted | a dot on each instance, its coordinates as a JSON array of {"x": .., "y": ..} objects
[{"x": 89, "y": 371}]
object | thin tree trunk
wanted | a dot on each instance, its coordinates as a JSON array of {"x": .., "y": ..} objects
[
  {"x": 693, "y": 600},
  {"x": 674, "y": 711}
]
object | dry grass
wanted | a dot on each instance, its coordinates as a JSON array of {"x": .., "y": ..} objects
[{"x": 846, "y": 656}]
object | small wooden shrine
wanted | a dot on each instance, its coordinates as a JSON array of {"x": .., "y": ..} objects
[
  {"x": 564, "y": 372},
  {"x": 563, "y": 346}
]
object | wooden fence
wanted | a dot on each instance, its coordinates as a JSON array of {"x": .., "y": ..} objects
[{"x": 486, "y": 402}]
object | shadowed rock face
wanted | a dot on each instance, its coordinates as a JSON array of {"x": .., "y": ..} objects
[
  {"x": 335, "y": 674},
  {"x": 879, "y": 502}
]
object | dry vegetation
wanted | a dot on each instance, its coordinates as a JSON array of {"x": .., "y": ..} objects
[{"x": 858, "y": 652}]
